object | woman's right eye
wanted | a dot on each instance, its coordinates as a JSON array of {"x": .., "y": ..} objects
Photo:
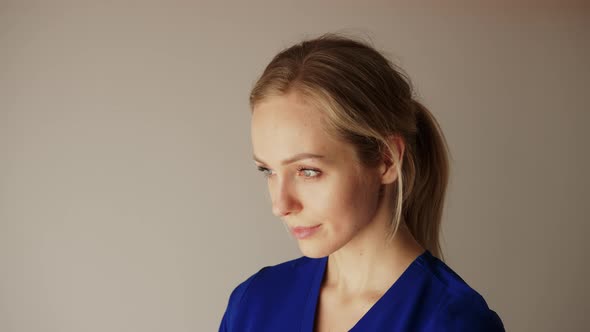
[{"x": 267, "y": 172}]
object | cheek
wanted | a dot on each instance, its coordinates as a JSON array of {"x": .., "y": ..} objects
[
  {"x": 344, "y": 203},
  {"x": 360, "y": 206}
]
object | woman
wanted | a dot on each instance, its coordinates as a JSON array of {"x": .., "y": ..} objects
[{"x": 357, "y": 170}]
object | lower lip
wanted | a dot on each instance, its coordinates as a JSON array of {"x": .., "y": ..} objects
[{"x": 304, "y": 232}]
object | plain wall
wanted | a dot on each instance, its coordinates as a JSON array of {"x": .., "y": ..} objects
[{"x": 129, "y": 200}]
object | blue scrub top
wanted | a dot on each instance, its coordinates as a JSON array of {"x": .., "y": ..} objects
[{"x": 428, "y": 296}]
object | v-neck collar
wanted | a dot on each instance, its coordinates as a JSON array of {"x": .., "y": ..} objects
[{"x": 311, "y": 303}]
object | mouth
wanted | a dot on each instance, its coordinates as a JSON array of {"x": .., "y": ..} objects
[{"x": 302, "y": 232}]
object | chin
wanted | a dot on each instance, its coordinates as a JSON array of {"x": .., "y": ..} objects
[{"x": 315, "y": 249}]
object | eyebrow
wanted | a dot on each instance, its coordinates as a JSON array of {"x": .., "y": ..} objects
[{"x": 295, "y": 158}]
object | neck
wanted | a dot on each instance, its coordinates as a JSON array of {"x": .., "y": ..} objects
[{"x": 369, "y": 263}]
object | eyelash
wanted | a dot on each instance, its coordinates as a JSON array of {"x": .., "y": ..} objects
[{"x": 265, "y": 171}]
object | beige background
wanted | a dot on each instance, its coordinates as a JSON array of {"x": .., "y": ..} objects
[{"x": 129, "y": 200}]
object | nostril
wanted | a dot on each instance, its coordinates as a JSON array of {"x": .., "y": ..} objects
[
  {"x": 279, "y": 212},
  {"x": 280, "y": 209}
]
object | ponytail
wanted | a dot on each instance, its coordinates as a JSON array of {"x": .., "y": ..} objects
[{"x": 422, "y": 208}]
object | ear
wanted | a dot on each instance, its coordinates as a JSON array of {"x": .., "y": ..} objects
[{"x": 387, "y": 167}]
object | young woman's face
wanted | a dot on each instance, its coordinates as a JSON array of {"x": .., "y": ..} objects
[{"x": 314, "y": 180}]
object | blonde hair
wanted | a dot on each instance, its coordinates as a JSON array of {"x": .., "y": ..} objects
[{"x": 366, "y": 99}]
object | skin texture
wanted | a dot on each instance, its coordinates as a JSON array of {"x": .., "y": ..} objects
[{"x": 333, "y": 190}]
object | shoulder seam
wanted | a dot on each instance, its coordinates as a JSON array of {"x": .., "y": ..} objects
[
  {"x": 256, "y": 275},
  {"x": 239, "y": 301}
]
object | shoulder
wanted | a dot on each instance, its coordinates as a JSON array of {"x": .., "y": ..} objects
[
  {"x": 268, "y": 288},
  {"x": 270, "y": 277},
  {"x": 461, "y": 308},
  {"x": 467, "y": 312},
  {"x": 274, "y": 278}
]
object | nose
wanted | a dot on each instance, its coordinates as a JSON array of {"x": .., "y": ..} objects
[{"x": 284, "y": 201}]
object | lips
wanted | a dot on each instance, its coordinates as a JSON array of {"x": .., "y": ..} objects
[{"x": 302, "y": 232}]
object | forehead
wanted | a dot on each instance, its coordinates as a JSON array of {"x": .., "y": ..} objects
[{"x": 283, "y": 126}]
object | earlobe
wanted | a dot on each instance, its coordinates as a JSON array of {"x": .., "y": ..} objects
[{"x": 388, "y": 166}]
